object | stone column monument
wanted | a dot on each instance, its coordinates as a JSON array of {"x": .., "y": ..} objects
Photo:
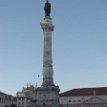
[
  {"x": 48, "y": 94},
  {"x": 47, "y": 28}
]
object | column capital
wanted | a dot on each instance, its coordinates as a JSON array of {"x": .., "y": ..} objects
[{"x": 47, "y": 25}]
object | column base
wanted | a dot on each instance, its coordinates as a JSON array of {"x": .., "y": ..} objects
[{"x": 47, "y": 96}]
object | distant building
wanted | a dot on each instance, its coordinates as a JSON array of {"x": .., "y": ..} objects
[
  {"x": 6, "y": 100},
  {"x": 27, "y": 97},
  {"x": 84, "y": 97},
  {"x": 81, "y": 97}
]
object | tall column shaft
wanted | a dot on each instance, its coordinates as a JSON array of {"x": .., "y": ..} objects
[{"x": 47, "y": 27}]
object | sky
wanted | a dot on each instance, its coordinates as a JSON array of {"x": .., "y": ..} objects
[{"x": 79, "y": 43}]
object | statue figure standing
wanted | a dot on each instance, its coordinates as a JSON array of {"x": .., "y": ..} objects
[{"x": 47, "y": 8}]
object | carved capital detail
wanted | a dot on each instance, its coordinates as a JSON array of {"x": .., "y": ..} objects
[{"x": 47, "y": 25}]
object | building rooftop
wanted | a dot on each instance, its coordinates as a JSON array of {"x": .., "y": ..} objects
[
  {"x": 2, "y": 93},
  {"x": 5, "y": 94},
  {"x": 85, "y": 92}
]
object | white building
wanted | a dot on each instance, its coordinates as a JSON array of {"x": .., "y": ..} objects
[
  {"x": 6, "y": 100},
  {"x": 84, "y": 97},
  {"x": 27, "y": 97}
]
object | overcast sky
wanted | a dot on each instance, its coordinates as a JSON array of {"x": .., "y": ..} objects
[{"x": 79, "y": 43}]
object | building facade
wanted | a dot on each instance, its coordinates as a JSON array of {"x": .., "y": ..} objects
[
  {"x": 6, "y": 100},
  {"x": 84, "y": 97},
  {"x": 27, "y": 97}
]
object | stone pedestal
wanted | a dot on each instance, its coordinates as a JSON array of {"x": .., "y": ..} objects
[{"x": 48, "y": 96}]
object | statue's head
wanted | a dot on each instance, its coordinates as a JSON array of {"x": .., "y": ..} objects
[{"x": 47, "y": 1}]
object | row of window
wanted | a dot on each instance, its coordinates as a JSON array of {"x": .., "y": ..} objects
[
  {"x": 74, "y": 101},
  {"x": 21, "y": 98},
  {"x": 100, "y": 106},
  {"x": 22, "y": 102},
  {"x": 23, "y": 106},
  {"x": 3, "y": 101}
]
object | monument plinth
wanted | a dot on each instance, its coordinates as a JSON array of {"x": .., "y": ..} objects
[{"x": 48, "y": 94}]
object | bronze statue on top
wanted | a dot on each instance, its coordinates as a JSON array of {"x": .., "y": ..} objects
[{"x": 47, "y": 8}]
